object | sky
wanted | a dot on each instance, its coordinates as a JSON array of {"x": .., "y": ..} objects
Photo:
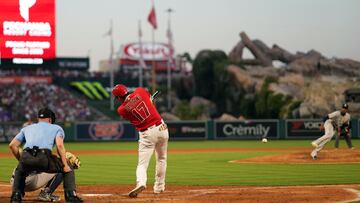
[{"x": 331, "y": 27}]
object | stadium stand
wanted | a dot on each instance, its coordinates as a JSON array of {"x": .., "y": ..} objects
[{"x": 21, "y": 102}]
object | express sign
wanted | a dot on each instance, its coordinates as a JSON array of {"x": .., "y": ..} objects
[
  {"x": 27, "y": 32},
  {"x": 149, "y": 51}
]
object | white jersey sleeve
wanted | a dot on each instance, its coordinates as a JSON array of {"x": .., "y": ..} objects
[{"x": 338, "y": 120}]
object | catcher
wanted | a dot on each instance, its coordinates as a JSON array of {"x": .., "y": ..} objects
[{"x": 48, "y": 181}]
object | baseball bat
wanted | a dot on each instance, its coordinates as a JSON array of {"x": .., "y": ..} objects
[{"x": 154, "y": 96}]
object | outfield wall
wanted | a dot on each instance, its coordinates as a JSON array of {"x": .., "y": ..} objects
[{"x": 190, "y": 130}]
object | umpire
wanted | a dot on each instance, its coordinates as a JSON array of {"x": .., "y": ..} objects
[{"x": 38, "y": 140}]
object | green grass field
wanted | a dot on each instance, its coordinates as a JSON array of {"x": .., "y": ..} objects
[{"x": 204, "y": 168}]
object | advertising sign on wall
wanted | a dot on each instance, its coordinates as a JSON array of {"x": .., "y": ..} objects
[
  {"x": 73, "y": 63},
  {"x": 187, "y": 130},
  {"x": 27, "y": 31},
  {"x": 104, "y": 131},
  {"x": 249, "y": 129},
  {"x": 300, "y": 128},
  {"x": 25, "y": 79},
  {"x": 149, "y": 51}
]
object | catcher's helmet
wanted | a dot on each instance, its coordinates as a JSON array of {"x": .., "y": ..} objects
[
  {"x": 47, "y": 113},
  {"x": 119, "y": 91}
]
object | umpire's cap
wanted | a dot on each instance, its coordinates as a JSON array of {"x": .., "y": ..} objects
[
  {"x": 47, "y": 113},
  {"x": 345, "y": 106}
]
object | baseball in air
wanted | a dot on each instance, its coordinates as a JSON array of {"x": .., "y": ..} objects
[{"x": 264, "y": 140}]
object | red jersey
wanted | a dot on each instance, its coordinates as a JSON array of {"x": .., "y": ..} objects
[{"x": 139, "y": 110}]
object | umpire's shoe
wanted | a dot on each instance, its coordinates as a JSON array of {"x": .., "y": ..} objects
[
  {"x": 134, "y": 193},
  {"x": 15, "y": 197},
  {"x": 70, "y": 196}
]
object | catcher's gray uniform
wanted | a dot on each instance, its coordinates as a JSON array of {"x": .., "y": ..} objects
[
  {"x": 334, "y": 121},
  {"x": 35, "y": 181}
]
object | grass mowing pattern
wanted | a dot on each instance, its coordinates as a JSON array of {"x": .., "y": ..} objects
[{"x": 204, "y": 168}]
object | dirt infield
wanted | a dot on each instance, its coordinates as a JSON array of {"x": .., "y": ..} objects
[
  {"x": 330, "y": 156},
  {"x": 202, "y": 194},
  {"x": 183, "y": 194}
]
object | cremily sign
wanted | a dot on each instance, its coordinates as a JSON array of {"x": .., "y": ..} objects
[{"x": 27, "y": 31}]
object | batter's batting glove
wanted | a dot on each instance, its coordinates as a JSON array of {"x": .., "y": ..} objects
[{"x": 73, "y": 160}]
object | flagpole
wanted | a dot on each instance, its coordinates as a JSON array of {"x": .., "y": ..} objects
[
  {"x": 141, "y": 62},
  {"x": 170, "y": 43},
  {"x": 152, "y": 21},
  {"x": 153, "y": 72}
]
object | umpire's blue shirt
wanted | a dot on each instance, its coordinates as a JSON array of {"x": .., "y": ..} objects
[{"x": 41, "y": 134}]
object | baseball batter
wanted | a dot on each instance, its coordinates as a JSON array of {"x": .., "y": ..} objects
[
  {"x": 137, "y": 107},
  {"x": 332, "y": 122}
]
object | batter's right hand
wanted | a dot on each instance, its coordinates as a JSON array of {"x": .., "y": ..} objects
[{"x": 322, "y": 128}]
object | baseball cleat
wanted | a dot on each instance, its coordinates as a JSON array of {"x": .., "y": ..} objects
[
  {"x": 47, "y": 197},
  {"x": 134, "y": 193},
  {"x": 314, "y": 157},
  {"x": 158, "y": 191},
  {"x": 314, "y": 144}
]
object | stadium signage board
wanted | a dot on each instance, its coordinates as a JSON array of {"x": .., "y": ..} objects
[
  {"x": 25, "y": 79},
  {"x": 149, "y": 51},
  {"x": 303, "y": 128},
  {"x": 249, "y": 129},
  {"x": 104, "y": 131},
  {"x": 27, "y": 31},
  {"x": 73, "y": 63},
  {"x": 183, "y": 130}
]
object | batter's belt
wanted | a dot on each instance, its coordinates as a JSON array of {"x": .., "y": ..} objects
[{"x": 155, "y": 125}]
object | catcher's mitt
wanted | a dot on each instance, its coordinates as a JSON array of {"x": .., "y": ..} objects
[{"x": 73, "y": 160}]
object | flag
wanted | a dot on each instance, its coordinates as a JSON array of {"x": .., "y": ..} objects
[{"x": 152, "y": 18}]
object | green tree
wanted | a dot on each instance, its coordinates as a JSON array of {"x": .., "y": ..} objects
[
  {"x": 204, "y": 71},
  {"x": 184, "y": 111}
]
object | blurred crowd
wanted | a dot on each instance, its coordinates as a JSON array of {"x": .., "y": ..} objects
[{"x": 19, "y": 102}]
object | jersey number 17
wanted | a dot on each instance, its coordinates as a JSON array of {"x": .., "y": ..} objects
[{"x": 141, "y": 112}]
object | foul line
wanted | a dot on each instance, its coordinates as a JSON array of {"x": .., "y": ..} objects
[{"x": 96, "y": 195}]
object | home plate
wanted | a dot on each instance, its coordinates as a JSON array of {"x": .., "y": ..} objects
[{"x": 96, "y": 195}]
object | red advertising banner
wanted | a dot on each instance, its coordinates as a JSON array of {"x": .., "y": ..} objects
[
  {"x": 24, "y": 80},
  {"x": 27, "y": 30}
]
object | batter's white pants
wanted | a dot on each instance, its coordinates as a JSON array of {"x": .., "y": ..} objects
[
  {"x": 155, "y": 138},
  {"x": 329, "y": 133}
]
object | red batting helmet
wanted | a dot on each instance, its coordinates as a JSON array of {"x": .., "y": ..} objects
[{"x": 119, "y": 90}]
